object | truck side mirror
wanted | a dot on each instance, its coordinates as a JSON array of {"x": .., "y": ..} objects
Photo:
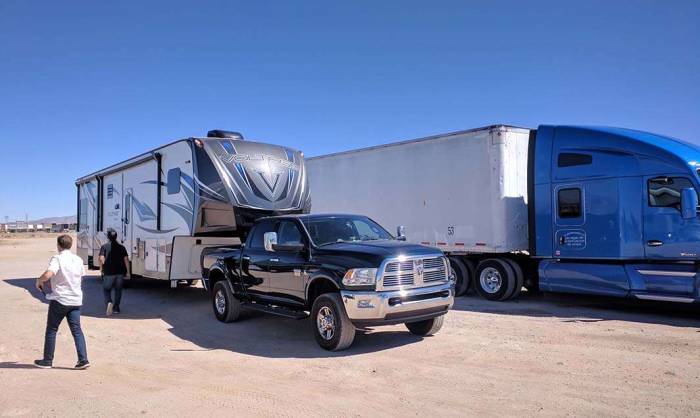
[
  {"x": 401, "y": 233},
  {"x": 689, "y": 203},
  {"x": 270, "y": 240}
]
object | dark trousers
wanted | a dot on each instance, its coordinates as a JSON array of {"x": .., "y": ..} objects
[
  {"x": 56, "y": 314},
  {"x": 109, "y": 282}
]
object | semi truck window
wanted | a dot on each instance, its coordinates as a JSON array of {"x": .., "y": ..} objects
[
  {"x": 288, "y": 234},
  {"x": 569, "y": 203},
  {"x": 666, "y": 191},
  {"x": 256, "y": 240},
  {"x": 174, "y": 180},
  {"x": 570, "y": 159}
]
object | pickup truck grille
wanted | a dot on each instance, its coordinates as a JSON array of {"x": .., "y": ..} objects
[{"x": 416, "y": 272}]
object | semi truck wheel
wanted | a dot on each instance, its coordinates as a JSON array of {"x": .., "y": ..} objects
[
  {"x": 519, "y": 279},
  {"x": 462, "y": 276},
  {"x": 495, "y": 279},
  {"x": 332, "y": 327},
  {"x": 227, "y": 307},
  {"x": 427, "y": 327},
  {"x": 471, "y": 268}
]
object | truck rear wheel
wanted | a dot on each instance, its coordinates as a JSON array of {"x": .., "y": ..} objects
[
  {"x": 332, "y": 327},
  {"x": 463, "y": 275},
  {"x": 227, "y": 307},
  {"x": 427, "y": 327},
  {"x": 519, "y": 279},
  {"x": 495, "y": 279}
]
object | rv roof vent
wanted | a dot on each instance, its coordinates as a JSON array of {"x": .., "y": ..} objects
[{"x": 218, "y": 133}]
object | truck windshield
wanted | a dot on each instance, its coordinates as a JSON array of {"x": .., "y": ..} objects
[{"x": 333, "y": 229}]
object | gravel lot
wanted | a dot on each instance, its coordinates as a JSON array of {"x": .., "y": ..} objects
[{"x": 543, "y": 355}]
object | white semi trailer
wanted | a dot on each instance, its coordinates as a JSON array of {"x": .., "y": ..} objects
[{"x": 463, "y": 192}]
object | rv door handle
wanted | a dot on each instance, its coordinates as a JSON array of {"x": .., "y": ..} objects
[{"x": 654, "y": 243}]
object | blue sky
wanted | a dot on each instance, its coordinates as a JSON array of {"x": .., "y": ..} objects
[{"x": 87, "y": 84}]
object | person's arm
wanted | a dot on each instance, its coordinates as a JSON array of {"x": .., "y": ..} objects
[
  {"x": 101, "y": 259},
  {"x": 48, "y": 274},
  {"x": 128, "y": 267}
]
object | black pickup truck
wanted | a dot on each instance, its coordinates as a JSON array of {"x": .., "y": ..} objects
[{"x": 345, "y": 271}]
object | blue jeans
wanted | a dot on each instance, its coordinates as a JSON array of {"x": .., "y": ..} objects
[
  {"x": 109, "y": 282},
  {"x": 56, "y": 314}
]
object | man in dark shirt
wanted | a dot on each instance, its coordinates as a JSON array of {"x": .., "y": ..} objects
[{"x": 114, "y": 264}]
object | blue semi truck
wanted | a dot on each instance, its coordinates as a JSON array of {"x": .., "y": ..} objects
[{"x": 574, "y": 209}]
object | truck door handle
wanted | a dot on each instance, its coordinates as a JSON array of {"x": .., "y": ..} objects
[
  {"x": 654, "y": 243},
  {"x": 246, "y": 258},
  {"x": 562, "y": 240},
  {"x": 274, "y": 260}
]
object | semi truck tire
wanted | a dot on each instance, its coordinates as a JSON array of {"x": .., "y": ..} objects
[
  {"x": 462, "y": 276},
  {"x": 495, "y": 279},
  {"x": 332, "y": 327},
  {"x": 519, "y": 279},
  {"x": 427, "y": 327},
  {"x": 227, "y": 307}
]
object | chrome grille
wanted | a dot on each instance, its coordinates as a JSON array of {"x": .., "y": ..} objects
[{"x": 408, "y": 273}]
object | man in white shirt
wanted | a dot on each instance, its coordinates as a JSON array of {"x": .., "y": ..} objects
[{"x": 65, "y": 272}]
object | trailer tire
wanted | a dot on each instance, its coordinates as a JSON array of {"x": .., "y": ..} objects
[
  {"x": 426, "y": 327},
  {"x": 462, "y": 276},
  {"x": 329, "y": 313},
  {"x": 227, "y": 307},
  {"x": 519, "y": 279},
  {"x": 471, "y": 268},
  {"x": 495, "y": 279}
]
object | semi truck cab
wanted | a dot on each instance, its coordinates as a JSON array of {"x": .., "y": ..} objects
[{"x": 614, "y": 212}]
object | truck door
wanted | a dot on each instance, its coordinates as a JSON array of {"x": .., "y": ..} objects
[
  {"x": 569, "y": 220},
  {"x": 256, "y": 261},
  {"x": 288, "y": 270}
]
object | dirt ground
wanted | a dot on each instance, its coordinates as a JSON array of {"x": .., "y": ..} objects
[{"x": 543, "y": 355}]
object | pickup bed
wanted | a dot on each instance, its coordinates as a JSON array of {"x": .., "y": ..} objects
[{"x": 344, "y": 271}]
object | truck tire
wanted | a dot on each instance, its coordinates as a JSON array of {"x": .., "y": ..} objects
[
  {"x": 332, "y": 327},
  {"x": 494, "y": 279},
  {"x": 462, "y": 276},
  {"x": 427, "y": 327},
  {"x": 471, "y": 268},
  {"x": 519, "y": 279},
  {"x": 227, "y": 307}
]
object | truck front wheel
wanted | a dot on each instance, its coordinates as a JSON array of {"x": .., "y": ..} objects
[
  {"x": 427, "y": 327},
  {"x": 332, "y": 327},
  {"x": 227, "y": 307}
]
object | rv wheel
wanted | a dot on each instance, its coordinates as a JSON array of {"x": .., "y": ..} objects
[
  {"x": 227, "y": 307},
  {"x": 495, "y": 279}
]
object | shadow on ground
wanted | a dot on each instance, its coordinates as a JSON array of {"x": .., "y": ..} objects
[
  {"x": 189, "y": 313},
  {"x": 585, "y": 308}
]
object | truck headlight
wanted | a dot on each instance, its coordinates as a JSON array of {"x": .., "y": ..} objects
[{"x": 360, "y": 277}]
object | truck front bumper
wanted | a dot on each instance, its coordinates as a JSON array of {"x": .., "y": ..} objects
[{"x": 398, "y": 306}]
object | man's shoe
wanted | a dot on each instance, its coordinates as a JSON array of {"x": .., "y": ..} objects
[
  {"x": 43, "y": 364},
  {"x": 110, "y": 308},
  {"x": 116, "y": 310},
  {"x": 82, "y": 365}
]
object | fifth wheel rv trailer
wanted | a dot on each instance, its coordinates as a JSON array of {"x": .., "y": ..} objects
[
  {"x": 170, "y": 203},
  {"x": 594, "y": 210}
]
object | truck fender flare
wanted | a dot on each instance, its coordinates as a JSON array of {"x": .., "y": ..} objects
[
  {"x": 216, "y": 267},
  {"x": 317, "y": 277}
]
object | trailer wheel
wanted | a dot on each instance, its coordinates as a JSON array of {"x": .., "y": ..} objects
[
  {"x": 495, "y": 279},
  {"x": 427, "y": 327},
  {"x": 519, "y": 279},
  {"x": 462, "y": 276},
  {"x": 332, "y": 327},
  {"x": 227, "y": 307},
  {"x": 471, "y": 268}
]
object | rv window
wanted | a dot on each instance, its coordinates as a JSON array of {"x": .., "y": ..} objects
[
  {"x": 569, "y": 202},
  {"x": 288, "y": 234},
  {"x": 256, "y": 240},
  {"x": 174, "y": 181},
  {"x": 569, "y": 159},
  {"x": 666, "y": 191}
]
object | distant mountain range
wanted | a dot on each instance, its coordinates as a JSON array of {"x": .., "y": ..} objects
[{"x": 70, "y": 219}]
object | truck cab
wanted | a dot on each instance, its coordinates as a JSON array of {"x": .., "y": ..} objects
[
  {"x": 344, "y": 271},
  {"x": 614, "y": 212}
]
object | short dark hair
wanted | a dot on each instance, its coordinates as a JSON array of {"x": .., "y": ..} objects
[
  {"x": 65, "y": 242},
  {"x": 111, "y": 234}
]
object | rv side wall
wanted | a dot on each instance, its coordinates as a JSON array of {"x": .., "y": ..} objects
[{"x": 463, "y": 192}]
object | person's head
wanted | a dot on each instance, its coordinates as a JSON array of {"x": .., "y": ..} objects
[
  {"x": 112, "y": 234},
  {"x": 64, "y": 242}
]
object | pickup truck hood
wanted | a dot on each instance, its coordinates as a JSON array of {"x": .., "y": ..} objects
[{"x": 376, "y": 251}]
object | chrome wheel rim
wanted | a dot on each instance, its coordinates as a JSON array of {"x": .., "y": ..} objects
[
  {"x": 220, "y": 302},
  {"x": 325, "y": 322},
  {"x": 490, "y": 280}
]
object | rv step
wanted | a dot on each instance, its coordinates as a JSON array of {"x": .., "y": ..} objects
[{"x": 276, "y": 310}]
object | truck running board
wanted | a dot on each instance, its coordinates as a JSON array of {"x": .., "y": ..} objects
[
  {"x": 666, "y": 298},
  {"x": 276, "y": 310}
]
